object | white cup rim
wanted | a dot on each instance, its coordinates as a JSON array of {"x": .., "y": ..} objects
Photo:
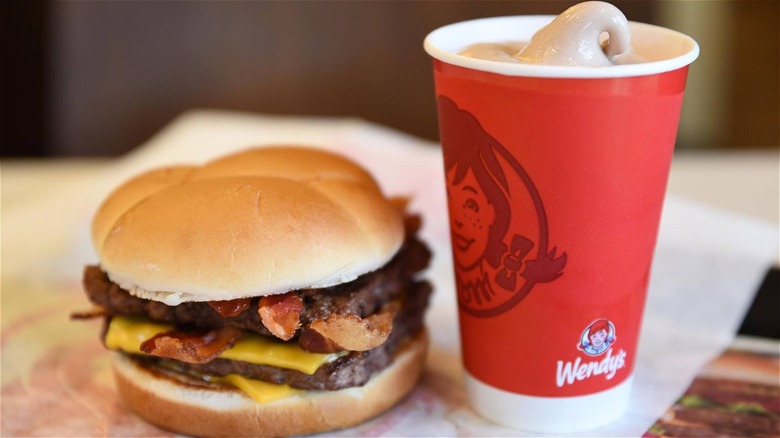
[{"x": 444, "y": 43}]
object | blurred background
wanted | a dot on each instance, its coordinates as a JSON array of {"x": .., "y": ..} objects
[{"x": 90, "y": 78}]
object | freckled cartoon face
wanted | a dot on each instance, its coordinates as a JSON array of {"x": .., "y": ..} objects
[
  {"x": 471, "y": 216},
  {"x": 597, "y": 339}
]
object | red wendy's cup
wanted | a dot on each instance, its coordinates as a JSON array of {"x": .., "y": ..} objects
[{"x": 555, "y": 181}]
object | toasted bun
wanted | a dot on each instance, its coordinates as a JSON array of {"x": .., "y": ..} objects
[
  {"x": 205, "y": 412},
  {"x": 259, "y": 222}
]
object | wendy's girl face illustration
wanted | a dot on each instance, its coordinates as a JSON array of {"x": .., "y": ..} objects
[
  {"x": 498, "y": 225},
  {"x": 471, "y": 216},
  {"x": 597, "y": 339}
]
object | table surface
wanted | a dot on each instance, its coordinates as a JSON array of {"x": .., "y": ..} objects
[{"x": 708, "y": 256}]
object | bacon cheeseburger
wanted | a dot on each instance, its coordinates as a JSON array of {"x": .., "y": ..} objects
[{"x": 270, "y": 292}]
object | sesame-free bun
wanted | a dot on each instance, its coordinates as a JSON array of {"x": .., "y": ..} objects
[
  {"x": 258, "y": 222},
  {"x": 207, "y": 412}
]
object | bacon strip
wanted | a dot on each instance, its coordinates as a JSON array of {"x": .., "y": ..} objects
[
  {"x": 95, "y": 312},
  {"x": 349, "y": 332},
  {"x": 281, "y": 314},
  {"x": 193, "y": 346}
]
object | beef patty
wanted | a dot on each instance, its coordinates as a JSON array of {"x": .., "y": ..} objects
[{"x": 352, "y": 369}]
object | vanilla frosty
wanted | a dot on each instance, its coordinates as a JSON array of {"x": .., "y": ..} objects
[{"x": 556, "y": 156}]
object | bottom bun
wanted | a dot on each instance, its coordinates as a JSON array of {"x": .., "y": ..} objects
[{"x": 208, "y": 412}]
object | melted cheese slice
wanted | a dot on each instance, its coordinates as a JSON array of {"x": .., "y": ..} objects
[
  {"x": 127, "y": 333},
  {"x": 261, "y": 392}
]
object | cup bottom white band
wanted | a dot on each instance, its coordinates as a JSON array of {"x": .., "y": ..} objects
[{"x": 548, "y": 414}]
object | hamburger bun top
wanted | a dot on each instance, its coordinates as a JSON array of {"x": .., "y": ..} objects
[{"x": 259, "y": 222}]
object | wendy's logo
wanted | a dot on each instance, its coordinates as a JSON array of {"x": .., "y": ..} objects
[
  {"x": 497, "y": 220},
  {"x": 597, "y": 337}
]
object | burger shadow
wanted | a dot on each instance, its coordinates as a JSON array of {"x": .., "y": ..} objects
[
  {"x": 438, "y": 406},
  {"x": 443, "y": 377}
]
